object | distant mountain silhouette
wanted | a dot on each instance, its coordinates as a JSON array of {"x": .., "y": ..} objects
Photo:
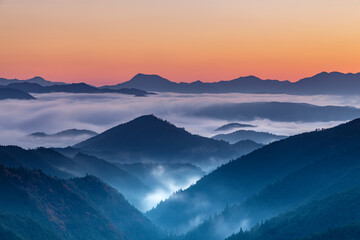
[
  {"x": 148, "y": 138},
  {"x": 9, "y": 93},
  {"x": 281, "y": 166},
  {"x": 72, "y": 88},
  {"x": 231, "y": 126},
  {"x": 323, "y": 83},
  {"x": 330, "y": 83},
  {"x": 147, "y": 82},
  {"x": 66, "y": 133},
  {"x": 75, "y": 209},
  {"x": 37, "y": 80},
  {"x": 239, "y": 135},
  {"x": 277, "y": 111}
]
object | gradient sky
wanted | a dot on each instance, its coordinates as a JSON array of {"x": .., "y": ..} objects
[{"x": 109, "y": 41}]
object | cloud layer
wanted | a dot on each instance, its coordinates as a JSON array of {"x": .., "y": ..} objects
[{"x": 57, "y": 111}]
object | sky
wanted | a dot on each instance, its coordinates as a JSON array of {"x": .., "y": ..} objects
[{"x": 109, "y": 41}]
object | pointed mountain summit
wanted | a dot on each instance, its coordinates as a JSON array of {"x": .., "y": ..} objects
[
  {"x": 145, "y": 78},
  {"x": 41, "y": 81},
  {"x": 147, "y": 82},
  {"x": 151, "y": 138}
]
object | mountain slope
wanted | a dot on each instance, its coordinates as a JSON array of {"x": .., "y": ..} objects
[
  {"x": 148, "y": 138},
  {"x": 316, "y": 181},
  {"x": 16, "y": 227},
  {"x": 56, "y": 164},
  {"x": 13, "y": 156},
  {"x": 79, "y": 208},
  {"x": 50, "y": 202},
  {"x": 238, "y": 180},
  {"x": 335, "y": 211},
  {"x": 348, "y": 232},
  {"x": 115, "y": 208},
  {"x": 9, "y": 93},
  {"x": 129, "y": 185}
]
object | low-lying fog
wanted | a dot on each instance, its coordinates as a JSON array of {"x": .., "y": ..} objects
[{"x": 55, "y": 112}]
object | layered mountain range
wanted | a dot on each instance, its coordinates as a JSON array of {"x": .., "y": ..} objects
[
  {"x": 331, "y": 83},
  {"x": 322, "y": 83},
  {"x": 300, "y": 187}
]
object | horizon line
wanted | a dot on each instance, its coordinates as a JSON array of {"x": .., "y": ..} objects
[{"x": 154, "y": 74}]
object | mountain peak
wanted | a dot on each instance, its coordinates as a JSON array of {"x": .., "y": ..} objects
[
  {"x": 37, "y": 78},
  {"x": 148, "y": 82},
  {"x": 149, "y": 117},
  {"x": 149, "y": 138},
  {"x": 141, "y": 77},
  {"x": 250, "y": 78},
  {"x": 144, "y": 75},
  {"x": 149, "y": 125}
]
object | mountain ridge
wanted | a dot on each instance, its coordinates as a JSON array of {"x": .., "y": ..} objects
[
  {"x": 72, "y": 88},
  {"x": 251, "y": 84},
  {"x": 37, "y": 79},
  {"x": 331, "y": 83}
]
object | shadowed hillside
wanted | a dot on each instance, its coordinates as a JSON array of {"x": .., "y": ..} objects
[
  {"x": 79, "y": 208},
  {"x": 240, "y": 179}
]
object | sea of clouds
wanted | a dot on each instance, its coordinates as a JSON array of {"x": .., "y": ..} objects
[{"x": 55, "y": 112}]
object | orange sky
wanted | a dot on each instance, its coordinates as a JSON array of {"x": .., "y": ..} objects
[{"x": 108, "y": 41}]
